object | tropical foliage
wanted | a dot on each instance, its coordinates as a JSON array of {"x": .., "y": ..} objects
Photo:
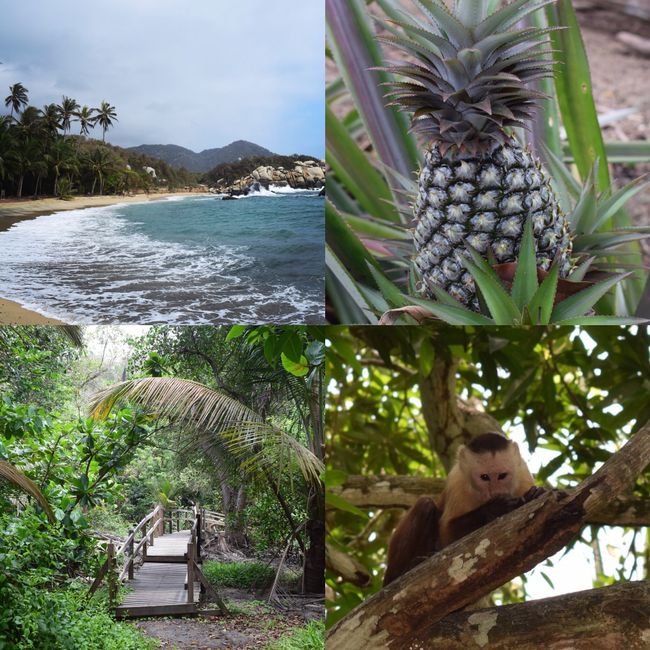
[
  {"x": 373, "y": 157},
  {"x": 38, "y": 154}
]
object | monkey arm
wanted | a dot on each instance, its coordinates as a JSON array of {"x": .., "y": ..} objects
[
  {"x": 414, "y": 539},
  {"x": 473, "y": 520}
]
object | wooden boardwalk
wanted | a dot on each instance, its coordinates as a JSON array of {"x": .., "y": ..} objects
[{"x": 159, "y": 586}]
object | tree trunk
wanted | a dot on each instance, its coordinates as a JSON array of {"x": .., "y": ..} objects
[
  {"x": 20, "y": 186},
  {"x": 313, "y": 575}
]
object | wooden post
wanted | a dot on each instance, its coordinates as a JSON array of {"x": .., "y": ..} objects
[
  {"x": 198, "y": 535},
  {"x": 190, "y": 573},
  {"x": 112, "y": 587},
  {"x": 131, "y": 559}
]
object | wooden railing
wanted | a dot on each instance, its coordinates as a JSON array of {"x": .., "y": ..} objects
[
  {"x": 130, "y": 552},
  {"x": 153, "y": 525}
]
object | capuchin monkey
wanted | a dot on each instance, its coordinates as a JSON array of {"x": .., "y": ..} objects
[{"x": 489, "y": 479}]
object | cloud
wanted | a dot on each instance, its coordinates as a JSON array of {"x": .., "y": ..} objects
[{"x": 200, "y": 74}]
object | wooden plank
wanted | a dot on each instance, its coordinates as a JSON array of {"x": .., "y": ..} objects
[{"x": 160, "y": 610}]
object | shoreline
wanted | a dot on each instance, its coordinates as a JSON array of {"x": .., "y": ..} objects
[
  {"x": 13, "y": 313},
  {"x": 13, "y": 211}
]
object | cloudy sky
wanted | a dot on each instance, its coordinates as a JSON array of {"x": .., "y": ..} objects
[{"x": 197, "y": 73}]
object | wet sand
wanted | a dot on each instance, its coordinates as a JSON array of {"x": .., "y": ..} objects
[
  {"x": 11, "y": 313},
  {"x": 15, "y": 210}
]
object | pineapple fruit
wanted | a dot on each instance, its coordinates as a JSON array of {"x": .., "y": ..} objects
[{"x": 466, "y": 85}]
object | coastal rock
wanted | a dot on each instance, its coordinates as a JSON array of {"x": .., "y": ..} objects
[{"x": 308, "y": 174}]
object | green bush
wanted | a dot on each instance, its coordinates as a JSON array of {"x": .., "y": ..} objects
[
  {"x": 310, "y": 637},
  {"x": 243, "y": 575},
  {"x": 42, "y": 607}
]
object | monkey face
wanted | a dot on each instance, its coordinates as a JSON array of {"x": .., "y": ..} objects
[{"x": 491, "y": 474}]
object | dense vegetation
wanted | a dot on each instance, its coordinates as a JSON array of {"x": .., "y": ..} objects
[
  {"x": 40, "y": 156},
  {"x": 226, "y": 173},
  {"x": 100, "y": 474}
]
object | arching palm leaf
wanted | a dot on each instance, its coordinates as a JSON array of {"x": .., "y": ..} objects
[
  {"x": 17, "y": 478},
  {"x": 257, "y": 443}
]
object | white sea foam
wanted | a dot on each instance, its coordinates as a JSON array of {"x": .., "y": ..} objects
[{"x": 96, "y": 266}]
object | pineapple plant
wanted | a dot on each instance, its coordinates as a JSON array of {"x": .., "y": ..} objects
[{"x": 466, "y": 84}]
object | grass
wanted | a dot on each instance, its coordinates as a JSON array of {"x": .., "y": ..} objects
[
  {"x": 239, "y": 575},
  {"x": 309, "y": 637}
]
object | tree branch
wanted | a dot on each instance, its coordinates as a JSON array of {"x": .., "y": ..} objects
[
  {"x": 464, "y": 571},
  {"x": 404, "y": 491},
  {"x": 608, "y": 618}
]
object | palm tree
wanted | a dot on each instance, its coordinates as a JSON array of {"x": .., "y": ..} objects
[
  {"x": 100, "y": 164},
  {"x": 51, "y": 119},
  {"x": 17, "y": 98},
  {"x": 105, "y": 116},
  {"x": 17, "y": 478},
  {"x": 85, "y": 117},
  {"x": 62, "y": 159},
  {"x": 68, "y": 110}
]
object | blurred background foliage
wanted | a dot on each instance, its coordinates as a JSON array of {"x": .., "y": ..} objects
[{"x": 401, "y": 400}]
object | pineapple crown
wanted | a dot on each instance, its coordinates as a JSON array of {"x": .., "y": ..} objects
[{"x": 468, "y": 80}]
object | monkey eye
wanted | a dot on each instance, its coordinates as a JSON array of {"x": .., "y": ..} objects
[
  {"x": 484, "y": 477},
  {"x": 503, "y": 475}
]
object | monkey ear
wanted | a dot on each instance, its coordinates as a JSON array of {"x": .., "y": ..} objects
[
  {"x": 461, "y": 455},
  {"x": 515, "y": 449}
]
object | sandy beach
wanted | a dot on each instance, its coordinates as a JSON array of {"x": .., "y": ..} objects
[{"x": 14, "y": 210}]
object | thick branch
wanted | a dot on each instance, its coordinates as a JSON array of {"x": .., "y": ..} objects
[
  {"x": 599, "y": 619},
  {"x": 404, "y": 491},
  {"x": 489, "y": 557}
]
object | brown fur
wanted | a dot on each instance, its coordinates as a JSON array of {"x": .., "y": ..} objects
[{"x": 429, "y": 526}]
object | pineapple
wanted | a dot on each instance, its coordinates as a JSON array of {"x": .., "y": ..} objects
[{"x": 466, "y": 85}]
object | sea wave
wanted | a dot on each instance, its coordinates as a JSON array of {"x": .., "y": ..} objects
[{"x": 117, "y": 264}]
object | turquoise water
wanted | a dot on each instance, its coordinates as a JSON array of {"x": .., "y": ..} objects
[{"x": 180, "y": 261}]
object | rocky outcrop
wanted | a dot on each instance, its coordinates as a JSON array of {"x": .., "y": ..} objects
[{"x": 304, "y": 175}]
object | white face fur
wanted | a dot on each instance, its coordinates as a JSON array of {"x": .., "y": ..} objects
[{"x": 491, "y": 474}]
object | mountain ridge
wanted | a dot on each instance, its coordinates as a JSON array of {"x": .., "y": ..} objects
[{"x": 205, "y": 160}]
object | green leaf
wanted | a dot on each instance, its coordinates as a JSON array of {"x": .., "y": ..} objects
[
  {"x": 607, "y": 209},
  {"x": 353, "y": 168},
  {"x": 583, "y": 217},
  {"x": 540, "y": 307},
  {"x": 525, "y": 283},
  {"x": 574, "y": 93},
  {"x": 583, "y": 301},
  {"x": 297, "y": 369},
  {"x": 356, "y": 53},
  {"x": 335, "y": 501},
  {"x": 291, "y": 345},
  {"x": 235, "y": 332},
  {"x": 334, "y": 477},
  {"x": 352, "y": 253},
  {"x": 587, "y": 321},
  {"x": 351, "y": 305},
  {"x": 452, "y": 314},
  {"x": 501, "y": 305},
  {"x": 389, "y": 291}
]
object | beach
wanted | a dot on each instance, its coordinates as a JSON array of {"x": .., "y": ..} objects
[
  {"x": 176, "y": 259},
  {"x": 14, "y": 210}
]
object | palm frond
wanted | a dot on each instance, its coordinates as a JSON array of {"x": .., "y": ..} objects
[
  {"x": 179, "y": 400},
  {"x": 17, "y": 478}
]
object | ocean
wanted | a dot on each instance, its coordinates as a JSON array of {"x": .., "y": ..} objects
[{"x": 183, "y": 260}]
